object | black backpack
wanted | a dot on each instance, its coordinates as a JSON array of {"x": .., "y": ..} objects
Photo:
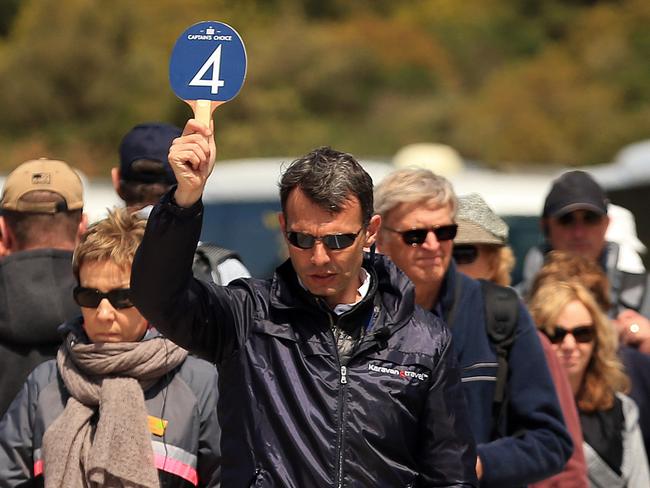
[
  {"x": 207, "y": 258},
  {"x": 501, "y": 317}
]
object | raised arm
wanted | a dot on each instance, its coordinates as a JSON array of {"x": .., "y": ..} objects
[{"x": 208, "y": 320}]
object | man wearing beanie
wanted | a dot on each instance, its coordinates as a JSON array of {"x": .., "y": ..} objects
[{"x": 42, "y": 219}]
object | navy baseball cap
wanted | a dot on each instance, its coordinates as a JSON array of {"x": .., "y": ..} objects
[
  {"x": 149, "y": 142},
  {"x": 575, "y": 190}
]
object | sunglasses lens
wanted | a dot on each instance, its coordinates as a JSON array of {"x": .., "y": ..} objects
[
  {"x": 583, "y": 334},
  {"x": 465, "y": 254},
  {"x": 592, "y": 218},
  {"x": 87, "y": 297},
  {"x": 301, "y": 240},
  {"x": 339, "y": 241},
  {"x": 415, "y": 236},
  {"x": 558, "y": 335},
  {"x": 445, "y": 232},
  {"x": 120, "y": 298}
]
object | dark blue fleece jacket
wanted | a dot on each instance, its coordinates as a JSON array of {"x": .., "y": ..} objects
[{"x": 533, "y": 443}]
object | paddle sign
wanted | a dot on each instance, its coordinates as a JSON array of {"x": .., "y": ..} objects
[{"x": 207, "y": 67}]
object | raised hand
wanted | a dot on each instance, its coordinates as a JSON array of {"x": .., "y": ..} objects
[{"x": 192, "y": 158}]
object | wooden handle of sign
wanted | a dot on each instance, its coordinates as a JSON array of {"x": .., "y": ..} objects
[{"x": 203, "y": 111}]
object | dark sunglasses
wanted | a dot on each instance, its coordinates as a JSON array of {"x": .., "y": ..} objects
[
  {"x": 588, "y": 218},
  {"x": 331, "y": 241},
  {"x": 92, "y": 297},
  {"x": 465, "y": 253},
  {"x": 583, "y": 334},
  {"x": 416, "y": 237}
]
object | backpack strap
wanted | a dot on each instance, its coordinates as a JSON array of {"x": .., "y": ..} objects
[
  {"x": 207, "y": 258},
  {"x": 501, "y": 317}
]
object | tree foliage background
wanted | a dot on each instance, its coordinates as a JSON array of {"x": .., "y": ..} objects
[{"x": 503, "y": 81}]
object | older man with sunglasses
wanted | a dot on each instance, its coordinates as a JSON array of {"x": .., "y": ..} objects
[
  {"x": 329, "y": 373},
  {"x": 524, "y": 439}
]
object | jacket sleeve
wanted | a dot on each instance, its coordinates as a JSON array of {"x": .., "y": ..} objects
[
  {"x": 635, "y": 461},
  {"x": 448, "y": 452},
  {"x": 207, "y": 319},
  {"x": 209, "y": 455},
  {"x": 16, "y": 441},
  {"x": 537, "y": 444}
]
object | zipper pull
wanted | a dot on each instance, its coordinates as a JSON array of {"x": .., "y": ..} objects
[{"x": 344, "y": 372}]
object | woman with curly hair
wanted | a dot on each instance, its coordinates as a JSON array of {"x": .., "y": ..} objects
[{"x": 586, "y": 345}]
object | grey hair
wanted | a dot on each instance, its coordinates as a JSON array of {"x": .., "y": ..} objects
[
  {"x": 329, "y": 178},
  {"x": 411, "y": 185}
]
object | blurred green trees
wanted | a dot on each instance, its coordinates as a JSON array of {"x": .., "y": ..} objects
[{"x": 504, "y": 81}]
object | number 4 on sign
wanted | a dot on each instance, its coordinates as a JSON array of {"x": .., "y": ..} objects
[{"x": 214, "y": 62}]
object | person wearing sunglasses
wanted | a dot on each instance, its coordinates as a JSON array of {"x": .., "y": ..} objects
[
  {"x": 329, "y": 373},
  {"x": 575, "y": 219},
  {"x": 481, "y": 252},
  {"x": 586, "y": 345},
  {"x": 121, "y": 405},
  {"x": 529, "y": 442}
]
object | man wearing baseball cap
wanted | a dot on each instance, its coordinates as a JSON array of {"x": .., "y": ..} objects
[
  {"x": 41, "y": 221},
  {"x": 144, "y": 175},
  {"x": 575, "y": 220}
]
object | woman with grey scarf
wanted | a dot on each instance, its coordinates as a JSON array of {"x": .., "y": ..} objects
[{"x": 121, "y": 406}]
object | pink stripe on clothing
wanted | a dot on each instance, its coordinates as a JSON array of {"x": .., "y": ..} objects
[
  {"x": 38, "y": 468},
  {"x": 177, "y": 468}
]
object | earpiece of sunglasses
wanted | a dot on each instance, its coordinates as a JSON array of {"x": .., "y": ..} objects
[
  {"x": 92, "y": 297},
  {"x": 417, "y": 236}
]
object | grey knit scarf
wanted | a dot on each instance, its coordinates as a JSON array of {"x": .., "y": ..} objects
[{"x": 101, "y": 438}]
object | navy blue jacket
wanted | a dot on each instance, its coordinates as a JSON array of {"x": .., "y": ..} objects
[
  {"x": 292, "y": 414},
  {"x": 533, "y": 442}
]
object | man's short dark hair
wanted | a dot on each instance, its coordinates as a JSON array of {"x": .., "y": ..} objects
[
  {"x": 329, "y": 178},
  {"x": 147, "y": 183},
  {"x": 43, "y": 230}
]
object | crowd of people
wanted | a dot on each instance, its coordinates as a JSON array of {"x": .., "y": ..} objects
[{"x": 389, "y": 349}]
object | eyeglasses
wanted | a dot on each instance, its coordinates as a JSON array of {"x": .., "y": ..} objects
[
  {"x": 331, "y": 241},
  {"x": 416, "y": 237},
  {"x": 589, "y": 218},
  {"x": 583, "y": 334},
  {"x": 92, "y": 297},
  {"x": 465, "y": 253}
]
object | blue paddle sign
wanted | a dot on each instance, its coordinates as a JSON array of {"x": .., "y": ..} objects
[{"x": 208, "y": 63}]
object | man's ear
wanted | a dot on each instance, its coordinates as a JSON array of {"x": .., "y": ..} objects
[
  {"x": 283, "y": 224},
  {"x": 83, "y": 227},
  {"x": 5, "y": 238},
  {"x": 372, "y": 230}
]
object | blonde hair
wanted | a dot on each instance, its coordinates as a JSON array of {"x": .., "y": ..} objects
[
  {"x": 411, "y": 185},
  {"x": 115, "y": 238},
  {"x": 502, "y": 260},
  {"x": 604, "y": 375}
]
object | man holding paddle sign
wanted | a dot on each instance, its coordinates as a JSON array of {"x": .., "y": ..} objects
[{"x": 329, "y": 375}]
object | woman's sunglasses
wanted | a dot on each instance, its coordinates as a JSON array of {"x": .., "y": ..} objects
[
  {"x": 465, "y": 253},
  {"x": 92, "y": 297},
  {"x": 330, "y": 241},
  {"x": 416, "y": 237},
  {"x": 583, "y": 334}
]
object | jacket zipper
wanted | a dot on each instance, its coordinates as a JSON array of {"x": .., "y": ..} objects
[{"x": 343, "y": 381}]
